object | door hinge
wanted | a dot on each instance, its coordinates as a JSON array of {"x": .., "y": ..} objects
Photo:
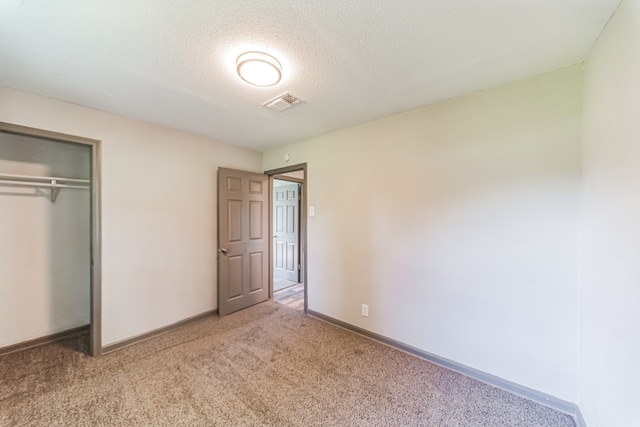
[{"x": 299, "y": 267}]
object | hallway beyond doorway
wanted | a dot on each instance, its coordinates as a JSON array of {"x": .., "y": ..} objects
[{"x": 292, "y": 296}]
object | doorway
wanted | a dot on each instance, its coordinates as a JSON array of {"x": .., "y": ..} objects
[
  {"x": 246, "y": 255},
  {"x": 288, "y": 226},
  {"x": 60, "y": 192}
]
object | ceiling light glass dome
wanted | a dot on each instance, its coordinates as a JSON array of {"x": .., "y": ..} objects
[{"x": 259, "y": 69}]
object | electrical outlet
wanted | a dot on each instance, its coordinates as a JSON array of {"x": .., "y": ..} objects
[{"x": 365, "y": 310}]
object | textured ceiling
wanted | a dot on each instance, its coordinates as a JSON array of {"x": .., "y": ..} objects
[{"x": 172, "y": 62}]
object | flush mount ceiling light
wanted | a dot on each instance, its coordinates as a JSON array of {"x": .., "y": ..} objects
[{"x": 259, "y": 69}]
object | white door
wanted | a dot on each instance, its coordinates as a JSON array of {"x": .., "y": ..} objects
[{"x": 286, "y": 219}]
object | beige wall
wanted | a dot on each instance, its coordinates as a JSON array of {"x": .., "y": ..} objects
[
  {"x": 611, "y": 269},
  {"x": 44, "y": 246},
  {"x": 458, "y": 225},
  {"x": 158, "y": 211}
]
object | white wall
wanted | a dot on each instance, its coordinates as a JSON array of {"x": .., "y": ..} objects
[
  {"x": 610, "y": 373},
  {"x": 458, "y": 225},
  {"x": 44, "y": 246},
  {"x": 158, "y": 211}
]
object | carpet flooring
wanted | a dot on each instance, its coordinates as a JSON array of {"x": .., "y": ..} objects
[{"x": 268, "y": 365}]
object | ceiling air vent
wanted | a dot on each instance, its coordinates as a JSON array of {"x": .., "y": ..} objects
[{"x": 282, "y": 102}]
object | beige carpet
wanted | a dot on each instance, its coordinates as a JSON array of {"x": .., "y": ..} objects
[{"x": 267, "y": 365}]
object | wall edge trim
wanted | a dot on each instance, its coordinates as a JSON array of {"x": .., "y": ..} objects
[
  {"x": 156, "y": 332},
  {"x": 545, "y": 399},
  {"x": 578, "y": 418}
]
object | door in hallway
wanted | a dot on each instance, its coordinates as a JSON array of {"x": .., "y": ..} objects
[{"x": 286, "y": 220}]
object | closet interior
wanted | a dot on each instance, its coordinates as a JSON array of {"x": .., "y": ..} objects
[{"x": 45, "y": 239}]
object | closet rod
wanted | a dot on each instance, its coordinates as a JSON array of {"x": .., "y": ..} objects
[
  {"x": 44, "y": 181},
  {"x": 31, "y": 178},
  {"x": 42, "y": 184}
]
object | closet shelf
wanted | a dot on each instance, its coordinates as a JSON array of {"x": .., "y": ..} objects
[{"x": 55, "y": 183}]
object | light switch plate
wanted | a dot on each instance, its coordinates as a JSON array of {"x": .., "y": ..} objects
[{"x": 312, "y": 210}]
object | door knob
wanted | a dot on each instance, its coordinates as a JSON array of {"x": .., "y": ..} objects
[{"x": 223, "y": 251}]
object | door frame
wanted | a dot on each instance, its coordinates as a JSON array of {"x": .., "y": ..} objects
[
  {"x": 302, "y": 225},
  {"x": 95, "y": 317}
]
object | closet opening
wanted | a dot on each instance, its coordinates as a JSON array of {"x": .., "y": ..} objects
[{"x": 49, "y": 239}]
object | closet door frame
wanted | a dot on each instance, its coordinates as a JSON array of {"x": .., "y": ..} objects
[{"x": 95, "y": 327}]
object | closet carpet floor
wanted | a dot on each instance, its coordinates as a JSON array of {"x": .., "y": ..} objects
[{"x": 266, "y": 365}]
